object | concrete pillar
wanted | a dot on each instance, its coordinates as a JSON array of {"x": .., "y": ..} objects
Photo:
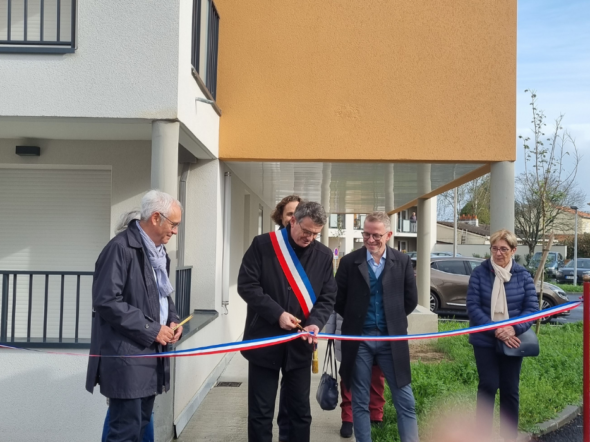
[
  {"x": 424, "y": 237},
  {"x": 164, "y": 177},
  {"x": 423, "y": 251},
  {"x": 502, "y": 196},
  {"x": 326, "y": 178},
  {"x": 390, "y": 200}
]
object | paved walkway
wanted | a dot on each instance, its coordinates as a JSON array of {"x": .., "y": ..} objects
[{"x": 223, "y": 414}]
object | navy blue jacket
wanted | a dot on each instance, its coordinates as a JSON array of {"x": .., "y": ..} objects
[
  {"x": 521, "y": 298},
  {"x": 126, "y": 302}
]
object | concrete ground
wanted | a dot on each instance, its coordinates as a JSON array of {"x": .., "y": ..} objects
[{"x": 223, "y": 414}]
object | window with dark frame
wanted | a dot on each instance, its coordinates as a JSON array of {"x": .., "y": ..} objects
[
  {"x": 205, "y": 42},
  {"x": 38, "y": 26}
]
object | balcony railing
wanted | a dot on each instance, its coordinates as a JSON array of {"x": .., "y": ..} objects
[
  {"x": 38, "y": 26},
  {"x": 407, "y": 226},
  {"x": 46, "y": 308},
  {"x": 183, "y": 291},
  {"x": 54, "y": 309}
]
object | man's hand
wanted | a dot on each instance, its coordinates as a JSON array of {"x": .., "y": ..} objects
[
  {"x": 165, "y": 335},
  {"x": 177, "y": 332},
  {"x": 288, "y": 322},
  {"x": 312, "y": 329}
]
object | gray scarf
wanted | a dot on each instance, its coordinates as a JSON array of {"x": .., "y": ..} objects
[{"x": 157, "y": 257}]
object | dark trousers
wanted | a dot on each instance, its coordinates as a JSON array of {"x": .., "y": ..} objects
[
  {"x": 283, "y": 416},
  {"x": 495, "y": 372},
  {"x": 262, "y": 394},
  {"x": 129, "y": 418}
]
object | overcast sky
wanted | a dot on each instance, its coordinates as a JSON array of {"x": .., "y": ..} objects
[{"x": 554, "y": 60}]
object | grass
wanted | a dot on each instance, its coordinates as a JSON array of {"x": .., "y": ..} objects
[
  {"x": 548, "y": 383},
  {"x": 570, "y": 288}
]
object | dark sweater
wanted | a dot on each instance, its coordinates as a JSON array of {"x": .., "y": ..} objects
[{"x": 521, "y": 298}]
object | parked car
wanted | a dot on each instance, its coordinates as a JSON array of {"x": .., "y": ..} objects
[
  {"x": 449, "y": 278},
  {"x": 433, "y": 254},
  {"x": 554, "y": 262},
  {"x": 565, "y": 274}
]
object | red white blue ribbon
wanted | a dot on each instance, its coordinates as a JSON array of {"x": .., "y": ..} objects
[
  {"x": 267, "y": 342},
  {"x": 293, "y": 270}
]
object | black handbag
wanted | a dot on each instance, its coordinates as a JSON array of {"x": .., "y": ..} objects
[
  {"x": 529, "y": 345},
  {"x": 327, "y": 394}
]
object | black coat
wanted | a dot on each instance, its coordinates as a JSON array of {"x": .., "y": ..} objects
[
  {"x": 126, "y": 303},
  {"x": 400, "y": 297},
  {"x": 264, "y": 287}
]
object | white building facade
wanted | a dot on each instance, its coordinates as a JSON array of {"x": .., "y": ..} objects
[{"x": 116, "y": 108}]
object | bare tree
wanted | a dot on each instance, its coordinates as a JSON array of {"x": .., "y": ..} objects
[
  {"x": 548, "y": 182},
  {"x": 473, "y": 198}
]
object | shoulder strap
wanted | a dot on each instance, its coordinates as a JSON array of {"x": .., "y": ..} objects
[{"x": 293, "y": 270}]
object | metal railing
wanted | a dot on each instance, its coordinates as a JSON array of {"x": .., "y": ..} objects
[
  {"x": 407, "y": 226},
  {"x": 183, "y": 291},
  {"x": 50, "y": 314},
  {"x": 50, "y": 308},
  {"x": 41, "y": 26}
]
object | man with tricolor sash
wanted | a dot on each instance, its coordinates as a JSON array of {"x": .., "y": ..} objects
[{"x": 287, "y": 280}]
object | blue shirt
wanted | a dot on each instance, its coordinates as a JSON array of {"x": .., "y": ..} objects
[{"x": 377, "y": 268}]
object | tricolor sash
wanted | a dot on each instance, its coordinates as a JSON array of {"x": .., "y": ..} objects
[{"x": 293, "y": 270}]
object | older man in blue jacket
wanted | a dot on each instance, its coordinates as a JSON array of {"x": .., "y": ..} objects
[{"x": 134, "y": 314}]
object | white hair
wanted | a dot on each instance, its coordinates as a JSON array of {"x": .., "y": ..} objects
[
  {"x": 152, "y": 202},
  {"x": 156, "y": 201}
]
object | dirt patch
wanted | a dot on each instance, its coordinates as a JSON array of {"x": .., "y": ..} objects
[{"x": 427, "y": 354}]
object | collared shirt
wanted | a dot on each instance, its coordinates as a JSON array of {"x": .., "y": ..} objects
[{"x": 377, "y": 268}]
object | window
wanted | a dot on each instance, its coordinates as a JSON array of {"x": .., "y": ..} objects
[
  {"x": 205, "y": 43},
  {"x": 38, "y": 26},
  {"x": 453, "y": 267},
  {"x": 260, "y": 219},
  {"x": 359, "y": 221},
  {"x": 474, "y": 264},
  {"x": 337, "y": 221}
]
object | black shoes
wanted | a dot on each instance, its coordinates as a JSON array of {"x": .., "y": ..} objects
[
  {"x": 346, "y": 430},
  {"x": 376, "y": 424}
]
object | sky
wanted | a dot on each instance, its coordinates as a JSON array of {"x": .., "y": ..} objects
[{"x": 554, "y": 60}]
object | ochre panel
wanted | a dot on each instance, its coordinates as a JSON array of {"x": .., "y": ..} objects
[{"x": 344, "y": 80}]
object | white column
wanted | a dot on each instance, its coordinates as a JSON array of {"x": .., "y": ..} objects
[
  {"x": 390, "y": 201},
  {"x": 424, "y": 241},
  {"x": 424, "y": 237},
  {"x": 164, "y": 177},
  {"x": 165, "y": 156},
  {"x": 326, "y": 178},
  {"x": 502, "y": 196}
]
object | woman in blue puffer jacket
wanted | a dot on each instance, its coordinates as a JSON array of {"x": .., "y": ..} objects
[{"x": 499, "y": 289}]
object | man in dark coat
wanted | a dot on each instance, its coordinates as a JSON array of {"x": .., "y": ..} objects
[
  {"x": 274, "y": 310},
  {"x": 376, "y": 292},
  {"x": 134, "y": 314}
]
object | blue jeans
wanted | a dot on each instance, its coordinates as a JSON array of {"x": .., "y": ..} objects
[{"x": 403, "y": 398}]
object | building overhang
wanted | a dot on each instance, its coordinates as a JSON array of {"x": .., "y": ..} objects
[{"x": 355, "y": 187}]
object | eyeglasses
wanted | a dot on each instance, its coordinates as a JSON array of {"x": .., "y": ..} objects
[
  {"x": 504, "y": 250},
  {"x": 308, "y": 232},
  {"x": 173, "y": 225},
  {"x": 376, "y": 236}
]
